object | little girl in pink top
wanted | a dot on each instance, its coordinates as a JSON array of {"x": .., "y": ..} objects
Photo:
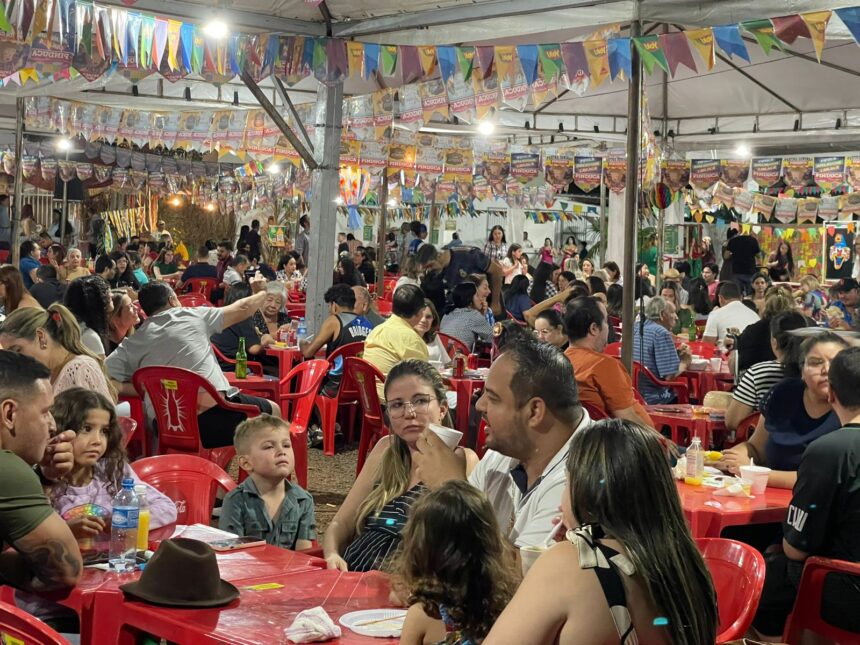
[{"x": 85, "y": 496}]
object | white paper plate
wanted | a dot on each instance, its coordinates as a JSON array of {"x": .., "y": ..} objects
[
  {"x": 713, "y": 471},
  {"x": 391, "y": 627}
]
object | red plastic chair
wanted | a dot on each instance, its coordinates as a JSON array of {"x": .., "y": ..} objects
[
  {"x": 737, "y": 570},
  {"x": 807, "y": 607},
  {"x": 127, "y": 427},
  {"x": 4, "y": 256},
  {"x": 17, "y": 626},
  {"x": 373, "y": 428},
  {"x": 346, "y": 394},
  {"x": 298, "y": 406},
  {"x": 191, "y": 482},
  {"x": 173, "y": 392},
  {"x": 138, "y": 443},
  {"x": 295, "y": 310},
  {"x": 384, "y": 307},
  {"x": 194, "y": 300},
  {"x": 447, "y": 340},
  {"x": 268, "y": 387},
  {"x": 481, "y": 443},
  {"x": 681, "y": 390},
  {"x": 744, "y": 430},
  {"x": 203, "y": 286},
  {"x": 296, "y": 295},
  {"x": 613, "y": 349}
]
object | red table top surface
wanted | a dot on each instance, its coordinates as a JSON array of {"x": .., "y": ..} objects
[
  {"x": 694, "y": 498},
  {"x": 261, "y": 615},
  {"x": 681, "y": 411}
]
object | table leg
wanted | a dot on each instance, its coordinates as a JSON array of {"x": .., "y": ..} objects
[{"x": 464, "y": 392}]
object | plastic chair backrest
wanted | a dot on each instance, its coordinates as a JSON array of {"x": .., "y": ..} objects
[
  {"x": 309, "y": 375},
  {"x": 365, "y": 375},
  {"x": 295, "y": 310},
  {"x": 384, "y": 307},
  {"x": 640, "y": 372},
  {"x": 173, "y": 392},
  {"x": 127, "y": 427},
  {"x": 17, "y": 626},
  {"x": 447, "y": 340},
  {"x": 613, "y": 349},
  {"x": 350, "y": 350},
  {"x": 203, "y": 286},
  {"x": 191, "y": 482},
  {"x": 745, "y": 428},
  {"x": 194, "y": 300},
  {"x": 807, "y": 606},
  {"x": 737, "y": 570}
]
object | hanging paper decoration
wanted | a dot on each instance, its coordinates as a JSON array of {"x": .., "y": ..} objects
[
  {"x": 576, "y": 65},
  {"x": 762, "y": 31},
  {"x": 816, "y": 23},
  {"x": 676, "y": 173},
  {"x": 620, "y": 62},
  {"x": 734, "y": 172},
  {"x": 371, "y": 59},
  {"x": 703, "y": 41},
  {"x": 388, "y": 59},
  {"x": 676, "y": 48},
  {"x": 797, "y": 172},
  {"x": 790, "y": 28},
  {"x": 766, "y": 171},
  {"x": 704, "y": 173},
  {"x": 597, "y": 55},
  {"x": 728, "y": 38},
  {"x": 528, "y": 55},
  {"x": 465, "y": 60},
  {"x": 829, "y": 172},
  {"x": 651, "y": 52},
  {"x": 615, "y": 172}
]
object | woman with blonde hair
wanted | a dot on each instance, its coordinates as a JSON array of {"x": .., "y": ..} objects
[
  {"x": 123, "y": 319},
  {"x": 12, "y": 290},
  {"x": 53, "y": 338},
  {"x": 628, "y": 569},
  {"x": 365, "y": 533},
  {"x": 811, "y": 297}
]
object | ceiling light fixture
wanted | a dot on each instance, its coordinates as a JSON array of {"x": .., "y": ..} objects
[
  {"x": 486, "y": 127},
  {"x": 64, "y": 145},
  {"x": 216, "y": 28},
  {"x": 273, "y": 169},
  {"x": 742, "y": 150}
]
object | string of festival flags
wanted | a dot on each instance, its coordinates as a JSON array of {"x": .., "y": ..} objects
[{"x": 94, "y": 40}]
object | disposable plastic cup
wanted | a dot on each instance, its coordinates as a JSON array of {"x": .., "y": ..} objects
[
  {"x": 716, "y": 364},
  {"x": 757, "y": 477},
  {"x": 449, "y": 436}
]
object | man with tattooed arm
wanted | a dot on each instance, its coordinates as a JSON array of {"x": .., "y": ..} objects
[{"x": 44, "y": 552}]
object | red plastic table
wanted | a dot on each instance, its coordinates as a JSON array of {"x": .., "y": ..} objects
[
  {"x": 683, "y": 425},
  {"x": 464, "y": 388},
  {"x": 97, "y": 597},
  {"x": 287, "y": 358},
  {"x": 709, "y": 515},
  {"x": 707, "y": 380},
  {"x": 266, "y": 386},
  {"x": 265, "y": 607}
]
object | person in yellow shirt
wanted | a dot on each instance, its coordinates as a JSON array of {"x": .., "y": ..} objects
[{"x": 396, "y": 340}]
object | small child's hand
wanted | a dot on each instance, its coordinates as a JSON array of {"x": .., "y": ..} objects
[{"x": 86, "y": 527}]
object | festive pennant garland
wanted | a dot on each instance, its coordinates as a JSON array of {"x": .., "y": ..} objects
[{"x": 99, "y": 40}]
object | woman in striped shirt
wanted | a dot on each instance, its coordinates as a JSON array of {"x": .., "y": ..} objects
[{"x": 366, "y": 531}]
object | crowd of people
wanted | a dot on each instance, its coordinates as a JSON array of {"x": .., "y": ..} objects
[{"x": 568, "y": 439}]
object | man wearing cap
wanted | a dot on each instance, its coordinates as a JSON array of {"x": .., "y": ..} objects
[
  {"x": 44, "y": 552},
  {"x": 846, "y": 294},
  {"x": 673, "y": 275}
]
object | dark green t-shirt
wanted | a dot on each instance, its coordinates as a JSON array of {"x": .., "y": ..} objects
[{"x": 23, "y": 505}]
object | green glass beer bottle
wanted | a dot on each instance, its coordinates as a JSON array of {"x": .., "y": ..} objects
[{"x": 241, "y": 360}]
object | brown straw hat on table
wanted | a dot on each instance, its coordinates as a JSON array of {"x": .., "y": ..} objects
[{"x": 182, "y": 573}]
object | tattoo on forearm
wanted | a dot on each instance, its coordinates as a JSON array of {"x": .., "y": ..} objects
[{"x": 51, "y": 562}]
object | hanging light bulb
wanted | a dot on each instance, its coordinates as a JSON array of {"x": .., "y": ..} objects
[
  {"x": 486, "y": 127},
  {"x": 216, "y": 28},
  {"x": 64, "y": 145},
  {"x": 392, "y": 203}
]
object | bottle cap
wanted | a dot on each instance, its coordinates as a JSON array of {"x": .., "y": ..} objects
[
  {"x": 140, "y": 489},
  {"x": 128, "y": 483}
]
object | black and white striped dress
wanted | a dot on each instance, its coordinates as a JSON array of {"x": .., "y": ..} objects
[{"x": 380, "y": 536}]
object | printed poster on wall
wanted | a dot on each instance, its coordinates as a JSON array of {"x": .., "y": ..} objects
[
  {"x": 616, "y": 174},
  {"x": 797, "y": 173},
  {"x": 734, "y": 172},
  {"x": 829, "y": 172},
  {"x": 587, "y": 172},
  {"x": 838, "y": 252},
  {"x": 853, "y": 172}
]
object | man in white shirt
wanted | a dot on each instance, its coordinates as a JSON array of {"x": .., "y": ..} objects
[
  {"x": 531, "y": 406},
  {"x": 732, "y": 313}
]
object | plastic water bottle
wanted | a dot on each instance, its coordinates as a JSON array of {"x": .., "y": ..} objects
[
  {"x": 301, "y": 331},
  {"x": 695, "y": 460},
  {"x": 123, "y": 531}
]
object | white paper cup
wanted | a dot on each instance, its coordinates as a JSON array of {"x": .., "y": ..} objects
[
  {"x": 757, "y": 477},
  {"x": 529, "y": 555},
  {"x": 449, "y": 436},
  {"x": 716, "y": 364}
]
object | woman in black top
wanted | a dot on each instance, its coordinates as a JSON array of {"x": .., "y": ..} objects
[
  {"x": 227, "y": 341},
  {"x": 124, "y": 275},
  {"x": 346, "y": 273}
]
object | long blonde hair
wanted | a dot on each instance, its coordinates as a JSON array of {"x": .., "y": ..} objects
[
  {"x": 59, "y": 323},
  {"x": 395, "y": 470}
]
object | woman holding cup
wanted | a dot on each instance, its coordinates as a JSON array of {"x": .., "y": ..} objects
[
  {"x": 794, "y": 413},
  {"x": 628, "y": 535},
  {"x": 366, "y": 531}
]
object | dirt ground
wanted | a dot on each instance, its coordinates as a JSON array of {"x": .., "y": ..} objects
[{"x": 329, "y": 480}]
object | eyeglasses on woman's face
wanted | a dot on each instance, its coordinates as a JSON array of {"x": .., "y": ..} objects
[{"x": 419, "y": 405}]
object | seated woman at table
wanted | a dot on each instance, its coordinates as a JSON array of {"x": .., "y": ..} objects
[
  {"x": 632, "y": 576},
  {"x": 757, "y": 381},
  {"x": 794, "y": 413},
  {"x": 227, "y": 341},
  {"x": 123, "y": 320},
  {"x": 669, "y": 291},
  {"x": 366, "y": 531},
  {"x": 549, "y": 328},
  {"x": 467, "y": 321},
  {"x": 428, "y": 329},
  {"x": 456, "y": 566},
  {"x": 15, "y": 296},
  {"x": 271, "y": 317},
  {"x": 166, "y": 265},
  {"x": 53, "y": 338},
  {"x": 517, "y": 300}
]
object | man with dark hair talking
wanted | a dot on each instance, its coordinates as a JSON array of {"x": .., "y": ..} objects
[
  {"x": 44, "y": 552},
  {"x": 531, "y": 406}
]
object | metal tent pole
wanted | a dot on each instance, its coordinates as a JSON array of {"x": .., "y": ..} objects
[
  {"x": 631, "y": 199},
  {"x": 19, "y": 181}
]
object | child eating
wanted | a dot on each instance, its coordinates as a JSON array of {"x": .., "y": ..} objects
[
  {"x": 85, "y": 496},
  {"x": 267, "y": 505}
]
